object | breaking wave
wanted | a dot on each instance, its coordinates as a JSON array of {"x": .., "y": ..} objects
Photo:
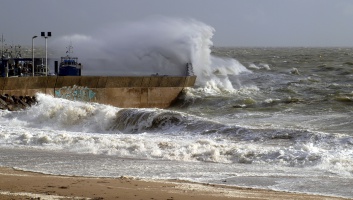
[
  {"x": 155, "y": 45},
  {"x": 163, "y": 134}
]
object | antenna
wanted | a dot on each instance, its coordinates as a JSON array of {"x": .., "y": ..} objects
[
  {"x": 18, "y": 51},
  {"x": 69, "y": 49}
]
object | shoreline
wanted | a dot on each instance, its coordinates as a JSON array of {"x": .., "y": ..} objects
[{"x": 18, "y": 185}]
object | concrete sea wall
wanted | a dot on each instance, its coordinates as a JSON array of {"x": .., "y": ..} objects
[{"x": 133, "y": 92}]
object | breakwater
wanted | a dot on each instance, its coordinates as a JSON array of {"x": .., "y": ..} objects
[
  {"x": 13, "y": 103},
  {"x": 134, "y": 92}
]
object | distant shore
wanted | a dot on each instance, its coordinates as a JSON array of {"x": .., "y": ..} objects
[{"x": 18, "y": 185}]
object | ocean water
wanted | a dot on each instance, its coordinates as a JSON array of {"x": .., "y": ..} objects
[{"x": 272, "y": 118}]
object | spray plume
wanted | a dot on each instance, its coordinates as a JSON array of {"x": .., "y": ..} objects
[{"x": 154, "y": 45}]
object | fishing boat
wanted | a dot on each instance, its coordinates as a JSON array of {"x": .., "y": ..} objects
[{"x": 69, "y": 66}]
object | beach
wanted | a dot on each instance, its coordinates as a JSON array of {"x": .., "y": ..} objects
[{"x": 15, "y": 184}]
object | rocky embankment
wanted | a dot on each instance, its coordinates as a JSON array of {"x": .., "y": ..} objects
[{"x": 13, "y": 103}]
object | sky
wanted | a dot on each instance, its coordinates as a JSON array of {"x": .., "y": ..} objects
[{"x": 237, "y": 23}]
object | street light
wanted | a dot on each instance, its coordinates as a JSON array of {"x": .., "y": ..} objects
[
  {"x": 33, "y": 56},
  {"x": 2, "y": 46},
  {"x": 46, "y": 52}
]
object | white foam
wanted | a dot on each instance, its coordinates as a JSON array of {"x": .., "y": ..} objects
[
  {"x": 259, "y": 66},
  {"x": 154, "y": 45},
  {"x": 39, "y": 196},
  {"x": 62, "y": 125}
]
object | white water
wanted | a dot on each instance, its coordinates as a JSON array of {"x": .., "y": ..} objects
[
  {"x": 155, "y": 45},
  {"x": 57, "y": 124}
]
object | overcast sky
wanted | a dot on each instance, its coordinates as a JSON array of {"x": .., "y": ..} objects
[{"x": 236, "y": 22}]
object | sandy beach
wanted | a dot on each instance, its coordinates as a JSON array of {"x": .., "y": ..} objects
[{"x": 15, "y": 184}]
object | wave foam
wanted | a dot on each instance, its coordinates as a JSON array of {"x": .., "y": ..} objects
[{"x": 161, "y": 134}]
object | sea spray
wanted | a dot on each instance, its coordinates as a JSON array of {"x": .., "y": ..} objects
[{"x": 157, "y": 45}]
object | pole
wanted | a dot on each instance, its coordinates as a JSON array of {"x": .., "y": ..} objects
[
  {"x": 33, "y": 55},
  {"x": 46, "y": 57},
  {"x": 2, "y": 45},
  {"x": 46, "y": 50},
  {"x": 2, "y": 55}
]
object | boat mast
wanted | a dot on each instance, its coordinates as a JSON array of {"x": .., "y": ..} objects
[{"x": 69, "y": 49}]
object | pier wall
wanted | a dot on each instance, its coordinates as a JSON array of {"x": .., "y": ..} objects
[{"x": 137, "y": 92}]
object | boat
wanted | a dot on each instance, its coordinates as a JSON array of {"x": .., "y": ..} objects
[{"x": 69, "y": 66}]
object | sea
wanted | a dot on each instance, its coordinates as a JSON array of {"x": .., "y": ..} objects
[{"x": 273, "y": 118}]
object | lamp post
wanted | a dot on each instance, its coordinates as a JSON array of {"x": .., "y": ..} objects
[
  {"x": 33, "y": 56},
  {"x": 2, "y": 46},
  {"x": 46, "y": 51}
]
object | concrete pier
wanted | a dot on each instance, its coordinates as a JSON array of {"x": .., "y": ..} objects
[{"x": 126, "y": 92}]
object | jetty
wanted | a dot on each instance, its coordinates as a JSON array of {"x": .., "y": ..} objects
[{"x": 124, "y": 92}]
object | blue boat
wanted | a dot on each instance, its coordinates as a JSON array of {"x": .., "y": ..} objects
[{"x": 69, "y": 66}]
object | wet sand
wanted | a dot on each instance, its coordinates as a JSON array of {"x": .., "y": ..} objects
[{"x": 15, "y": 184}]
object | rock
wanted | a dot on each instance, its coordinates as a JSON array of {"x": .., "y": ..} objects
[{"x": 15, "y": 103}]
